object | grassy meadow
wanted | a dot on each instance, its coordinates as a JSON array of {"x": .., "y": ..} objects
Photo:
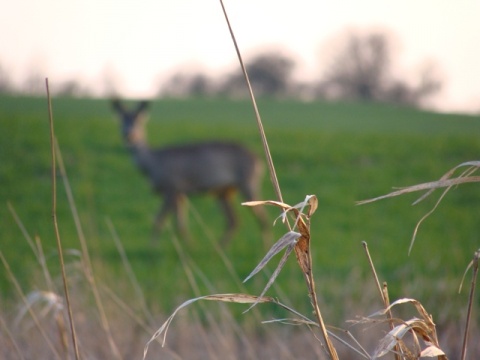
[{"x": 341, "y": 152}]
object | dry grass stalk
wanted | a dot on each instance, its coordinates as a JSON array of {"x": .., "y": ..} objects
[
  {"x": 446, "y": 181},
  {"x": 236, "y": 298},
  {"x": 292, "y": 240},
  {"x": 474, "y": 265},
  {"x": 383, "y": 294},
  {"x": 395, "y": 341},
  {"x": 271, "y": 167},
  {"x": 300, "y": 242},
  {"x": 11, "y": 339},
  {"x": 53, "y": 302},
  {"x": 128, "y": 269},
  {"x": 55, "y": 224},
  {"x": 29, "y": 308},
  {"x": 87, "y": 267}
]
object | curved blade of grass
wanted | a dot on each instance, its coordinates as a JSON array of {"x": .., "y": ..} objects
[
  {"x": 235, "y": 298},
  {"x": 444, "y": 181},
  {"x": 474, "y": 264},
  {"x": 279, "y": 268},
  {"x": 271, "y": 167},
  {"x": 55, "y": 225},
  {"x": 425, "y": 186},
  {"x": 289, "y": 239}
]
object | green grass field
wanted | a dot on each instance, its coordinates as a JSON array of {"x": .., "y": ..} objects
[{"x": 340, "y": 152}]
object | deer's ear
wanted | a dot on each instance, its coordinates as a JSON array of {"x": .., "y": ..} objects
[
  {"x": 143, "y": 105},
  {"x": 117, "y": 105}
]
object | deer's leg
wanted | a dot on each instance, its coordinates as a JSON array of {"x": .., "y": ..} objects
[
  {"x": 181, "y": 216},
  {"x": 161, "y": 216},
  {"x": 225, "y": 200}
]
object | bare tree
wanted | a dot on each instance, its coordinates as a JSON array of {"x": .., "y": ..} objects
[
  {"x": 5, "y": 82},
  {"x": 184, "y": 85},
  {"x": 269, "y": 73},
  {"x": 362, "y": 70}
]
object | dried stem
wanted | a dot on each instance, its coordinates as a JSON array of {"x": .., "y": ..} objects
[
  {"x": 28, "y": 307},
  {"x": 86, "y": 262},
  {"x": 273, "y": 174},
  {"x": 55, "y": 224},
  {"x": 383, "y": 293},
  {"x": 308, "y": 275},
  {"x": 313, "y": 295},
  {"x": 470, "y": 302}
]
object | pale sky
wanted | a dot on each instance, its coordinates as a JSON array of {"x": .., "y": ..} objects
[{"x": 141, "y": 41}]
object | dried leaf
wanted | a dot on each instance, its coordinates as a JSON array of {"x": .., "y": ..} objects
[
  {"x": 313, "y": 203},
  {"x": 444, "y": 181},
  {"x": 289, "y": 238},
  {"x": 420, "y": 309},
  {"x": 431, "y": 351},
  {"x": 280, "y": 266},
  {"x": 395, "y": 336},
  {"x": 236, "y": 298},
  {"x": 310, "y": 201}
]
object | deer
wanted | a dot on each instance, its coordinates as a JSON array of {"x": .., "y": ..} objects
[{"x": 176, "y": 172}]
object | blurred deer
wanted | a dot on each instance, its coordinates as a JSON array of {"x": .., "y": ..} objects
[{"x": 216, "y": 168}]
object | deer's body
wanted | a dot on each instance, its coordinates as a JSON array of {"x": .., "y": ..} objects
[
  {"x": 197, "y": 168},
  {"x": 214, "y": 167}
]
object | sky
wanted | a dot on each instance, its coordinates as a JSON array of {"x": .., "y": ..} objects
[{"x": 139, "y": 43}]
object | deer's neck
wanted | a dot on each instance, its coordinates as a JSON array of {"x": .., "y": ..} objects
[{"x": 143, "y": 157}]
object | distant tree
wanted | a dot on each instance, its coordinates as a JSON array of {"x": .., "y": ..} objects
[
  {"x": 185, "y": 85},
  {"x": 5, "y": 82},
  {"x": 269, "y": 73},
  {"x": 362, "y": 70},
  {"x": 34, "y": 84},
  {"x": 71, "y": 88}
]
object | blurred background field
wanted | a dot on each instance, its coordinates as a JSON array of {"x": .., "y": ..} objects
[{"x": 341, "y": 152}]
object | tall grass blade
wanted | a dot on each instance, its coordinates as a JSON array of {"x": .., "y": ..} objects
[
  {"x": 273, "y": 174},
  {"x": 86, "y": 262},
  {"x": 474, "y": 265},
  {"x": 55, "y": 224},
  {"x": 29, "y": 309},
  {"x": 128, "y": 269},
  {"x": 11, "y": 339},
  {"x": 22, "y": 228}
]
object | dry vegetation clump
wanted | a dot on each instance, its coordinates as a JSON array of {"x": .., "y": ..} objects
[{"x": 77, "y": 316}]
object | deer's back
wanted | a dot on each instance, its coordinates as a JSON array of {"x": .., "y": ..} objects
[{"x": 203, "y": 167}]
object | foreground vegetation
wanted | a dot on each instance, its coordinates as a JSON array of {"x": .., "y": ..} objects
[{"x": 339, "y": 152}]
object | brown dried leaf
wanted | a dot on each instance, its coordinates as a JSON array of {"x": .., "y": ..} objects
[
  {"x": 420, "y": 309},
  {"x": 236, "y": 298},
  {"x": 280, "y": 266},
  {"x": 289, "y": 239},
  {"x": 444, "y": 181},
  {"x": 432, "y": 351},
  {"x": 395, "y": 336}
]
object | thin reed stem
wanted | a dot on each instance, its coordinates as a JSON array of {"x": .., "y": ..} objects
[
  {"x": 273, "y": 177},
  {"x": 11, "y": 339},
  {"x": 273, "y": 174},
  {"x": 383, "y": 293},
  {"x": 86, "y": 262},
  {"x": 22, "y": 228},
  {"x": 28, "y": 306},
  {"x": 313, "y": 295},
  {"x": 55, "y": 224},
  {"x": 470, "y": 303},
  {"x": 128, "y": 269}
]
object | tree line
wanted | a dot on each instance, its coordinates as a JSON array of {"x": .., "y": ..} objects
[{"x": 362, "y": 68}]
